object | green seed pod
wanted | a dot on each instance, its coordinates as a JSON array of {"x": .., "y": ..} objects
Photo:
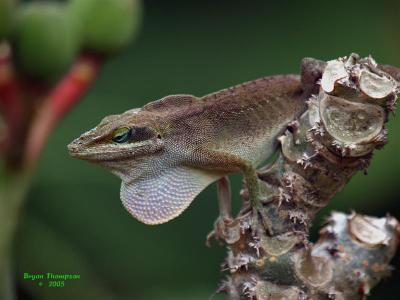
[
  {"x": 105, "y": 25},
  {"x": 44, "y": 40},
  {"x": 6, "y": 15}
]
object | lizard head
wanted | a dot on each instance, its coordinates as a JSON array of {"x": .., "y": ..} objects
[
  {"x": 137, "y": 147},
  {"x": 118, "y": 139}
]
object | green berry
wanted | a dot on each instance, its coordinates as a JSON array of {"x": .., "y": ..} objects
[
  {"x": 6, "y": 15},
  {"x": 44, "y": 39},
  {"x": 105, "y": 25}
]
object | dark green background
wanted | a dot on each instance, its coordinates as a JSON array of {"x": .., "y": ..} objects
[{"x": 74, "y": 221}]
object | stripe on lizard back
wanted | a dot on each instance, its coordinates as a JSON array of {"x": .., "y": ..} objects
[{"x": 236, "y": 98}]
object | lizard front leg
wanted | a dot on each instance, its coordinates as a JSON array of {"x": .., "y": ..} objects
[
  {"x": 225, "y": 211},
  {"x": 224, "y": 197},
  {"x": 218, "y": 161}
]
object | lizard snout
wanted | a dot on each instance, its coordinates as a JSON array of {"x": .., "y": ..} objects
[
  {"x": 79, "y": 147},
  {"x": 75, "y": 147}
]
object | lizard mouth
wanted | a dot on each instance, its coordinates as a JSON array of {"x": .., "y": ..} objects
[
  {"x": 76, "y": 151},
  {"x": 110, "y": 152},
  {"x": 95, "y": 156}
]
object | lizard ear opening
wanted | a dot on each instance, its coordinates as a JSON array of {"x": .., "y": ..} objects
[{"x": 161, "y": 198}]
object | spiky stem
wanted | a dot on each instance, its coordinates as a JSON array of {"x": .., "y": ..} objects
[
  {"x": 319, "y": 154},
  {"x": 13, "y": 187}
]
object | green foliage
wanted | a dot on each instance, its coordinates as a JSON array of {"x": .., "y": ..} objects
[
  {"x": 6, "y": 13},
  {"x": 105, "y": 25},
  {"x": 43, "y": 39}
]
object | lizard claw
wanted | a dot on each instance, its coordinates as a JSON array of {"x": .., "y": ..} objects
[
  {"x": 217, "y": 233},
  {"x": 225, "y": 229}
]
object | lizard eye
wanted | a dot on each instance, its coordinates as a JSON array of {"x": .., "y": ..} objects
[{"x": 122, "y": 135}]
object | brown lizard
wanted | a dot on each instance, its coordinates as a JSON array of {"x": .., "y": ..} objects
[{"x": 168, "y": 151}]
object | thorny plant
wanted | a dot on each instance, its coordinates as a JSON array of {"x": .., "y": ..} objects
[{"x": 349, "y": 100}]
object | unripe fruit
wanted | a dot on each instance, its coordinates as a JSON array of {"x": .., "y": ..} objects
[
  {"x": 6, "y": 14},
  {"x": 44, "y": 41},
  {"x": 105, "y": 25}
]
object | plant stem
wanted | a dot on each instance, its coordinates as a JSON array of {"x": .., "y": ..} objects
[
  {"x": 10, "y": 103},
  {"x": 13, "y": 188},
  {"x": 7, "y": 284},
  {"x": 15, "y": 178}
]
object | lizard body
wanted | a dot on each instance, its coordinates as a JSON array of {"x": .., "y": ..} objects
[{"x": 167, "y": 152}]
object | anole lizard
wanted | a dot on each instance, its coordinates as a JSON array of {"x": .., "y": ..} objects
[{"x": 168, "y": 151}]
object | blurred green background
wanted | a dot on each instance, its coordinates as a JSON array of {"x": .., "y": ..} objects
[{"x": 74, "y": 221}]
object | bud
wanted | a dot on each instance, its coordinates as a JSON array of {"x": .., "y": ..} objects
[
  {"x": 44, "y": 40},
  {"x": 105, "y": 25}
]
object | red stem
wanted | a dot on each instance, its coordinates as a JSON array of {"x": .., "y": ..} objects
[
  {"x": 60, "y": 100},
  {"x": 10, "y": 102}
]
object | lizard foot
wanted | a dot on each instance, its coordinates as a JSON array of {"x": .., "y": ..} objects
[{"x": 225, "y": 229}]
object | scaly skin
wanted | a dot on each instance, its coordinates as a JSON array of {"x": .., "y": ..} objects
[{"x": 178, "y": 145}]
